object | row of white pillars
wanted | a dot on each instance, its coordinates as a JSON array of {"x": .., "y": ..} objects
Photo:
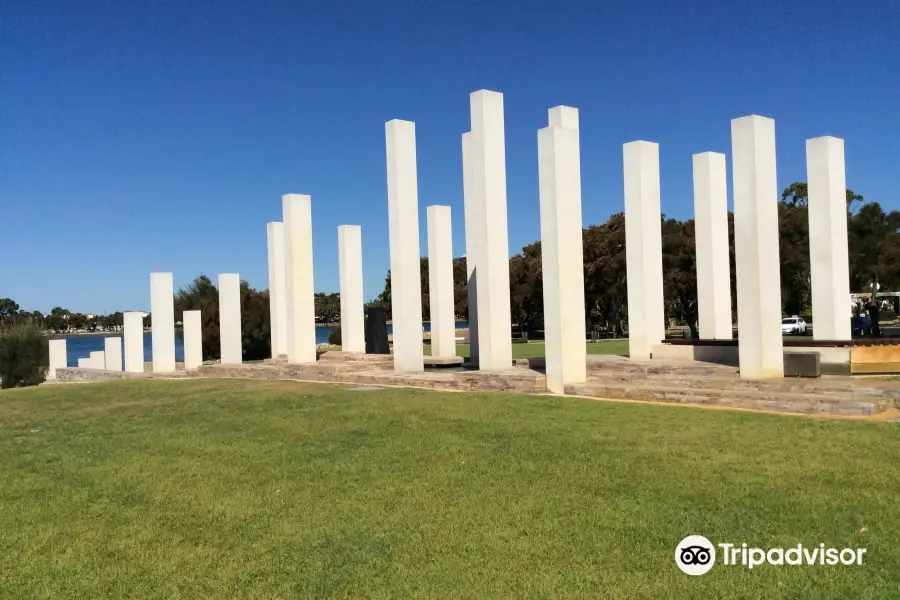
[
  {"x": 487, "y": 248},
  {"x": 760, "y": 346}
]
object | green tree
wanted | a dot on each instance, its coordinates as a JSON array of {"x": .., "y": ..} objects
[
  {"x": 201, "y": 294},
  {"x": 24, "y": 354},
  {"x": 8, "y": 308}
]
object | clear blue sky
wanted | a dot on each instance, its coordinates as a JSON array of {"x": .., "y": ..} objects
[{"x": 160, "y": 136}]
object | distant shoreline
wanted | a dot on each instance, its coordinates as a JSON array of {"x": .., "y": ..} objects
[{"x": 79, "y": 333}]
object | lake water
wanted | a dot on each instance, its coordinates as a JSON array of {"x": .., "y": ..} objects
[{"x": 81, "y": 346}]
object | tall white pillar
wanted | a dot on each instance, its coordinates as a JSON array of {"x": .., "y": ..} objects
[
  {"x": 440, "y": 281},
  {"x": 112, "y": 353},
  {"x": 643, "y": 254},
  {"x": 473, "y": 238},
  {"x": 760, "y": 351},
  {"x": 298, "y": 264},
  {"x": 562, "y": 252},
  {"x": 403, "y": 213},
  {"x": 829, "y": 264},
  {"x": 162, "y": 322},
  {"x": 58, "y": 358},
  {"x": 711, "y": 233},
  {"x": 230, "y": 318},
  {"x": 133, "y": 332},
  {"x": 353, "y": 322},
  {"x": 193, "y": 339},
  {"x": 97, "y": 360},
  {"x": 487, "y": 150},
  {"x": 277, "y": 284}
]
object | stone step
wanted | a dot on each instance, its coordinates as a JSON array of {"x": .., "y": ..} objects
[
  {"x": 339, "y": 356},
  {"x": 662, "y": 368},
  {"x": 830, "y": 386},
  {"x": 749, "y": 399}
]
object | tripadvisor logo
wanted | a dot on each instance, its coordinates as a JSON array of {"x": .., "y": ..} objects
[{"x": 696, "y": 555}]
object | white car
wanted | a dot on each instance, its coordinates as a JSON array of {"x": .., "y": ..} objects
[{"x": 793, "y": 325}]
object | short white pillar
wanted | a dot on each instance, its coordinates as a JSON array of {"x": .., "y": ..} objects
[
  {"x": 487, "y": 151},
  {"x": 58, "y": 358},
  {"x": 562, "y": 252},
  {"x": 230, "y": 318},
  {"x": 84, "y": 363},
  {"x": 440, "y": 281},
  {"x": 473, "y": 238},
  {"x": 97, "y": 360},
  {"x": 162, "y": 322},
  {"x": 353, "y": 322},
  {"x": 277, "y": 284},
  {"x": 711, "y": 234},
  {"x": 298, "y": 264},
  {"x": 112, "y": 353},
  {"x": 193, "y": 339},
  {"x": 133, "y": 332},
  {"x": 403, "y": 221},
  {"x": 829, "y": 264},
  {"x": 757, "y": 268},
  {"x": 643, "y": 253}
]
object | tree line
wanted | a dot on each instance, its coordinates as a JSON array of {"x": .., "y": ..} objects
[{"x": 874, "y": 260}]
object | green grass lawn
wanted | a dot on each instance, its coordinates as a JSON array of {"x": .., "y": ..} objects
[
  {"x": 533, "y": 349},
  {"x": 239, "y": 489}
]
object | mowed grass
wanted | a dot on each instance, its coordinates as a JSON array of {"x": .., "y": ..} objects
[
  {"x": 240, "y": 489},
  {"x": 535, "y": 349}
]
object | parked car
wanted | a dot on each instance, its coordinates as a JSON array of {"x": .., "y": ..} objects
[{"x": 793, "y": 326}]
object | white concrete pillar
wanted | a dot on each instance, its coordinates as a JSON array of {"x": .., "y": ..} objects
[
  {"x": 84, "y": 363},
  {"x": 133, "y": 332},
  {"x": 162, "y": 322},
  {"x": 440, "y": 281},
  {"x": 562, "y": 252},
  {"x": 829, "y": 264},
  {"x": 472, "y": 240},
  {"x": 112, "y": 353},
  {"x": 403, "y": 213},
  {"x": 230, "y": 318},
  {"x": 298, "y": 264},
  {"x": 97, "y": 360},
  {"x": 193, "y": 339},
  {"x": 760, "y": 351},
  {"x": 277, "y": 284},
  {"x": 487, "y": 151},
  {"x": 711, "y": 234},
  {"x": 643, "y": 255},
  {"x": 353, "y": 321},
  {"x": 58, "y": 357}
]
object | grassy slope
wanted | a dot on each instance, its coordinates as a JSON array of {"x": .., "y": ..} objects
[{"x": 238, "y": 489}]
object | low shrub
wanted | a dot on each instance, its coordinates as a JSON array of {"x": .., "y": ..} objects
[
  {"x": 334, "y": 337},
  {"x": 24, "y": 355}
]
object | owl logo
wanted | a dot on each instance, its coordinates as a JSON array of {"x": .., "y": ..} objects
[{"x": 695, "y": 555}]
